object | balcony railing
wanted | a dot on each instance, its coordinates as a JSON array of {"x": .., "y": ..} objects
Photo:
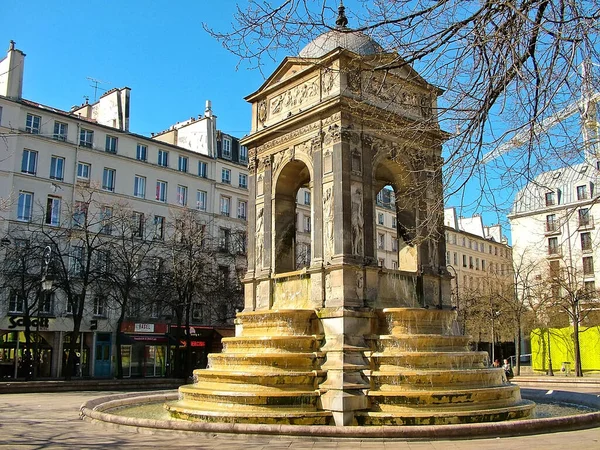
[
  {"x": 554, "y": 251},
  {"x": 552, "y": 228}
]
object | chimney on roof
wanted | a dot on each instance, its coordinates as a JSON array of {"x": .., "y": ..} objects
[
  {"x": 208, "y": 110},
  {"x": 11, "y": 72}
]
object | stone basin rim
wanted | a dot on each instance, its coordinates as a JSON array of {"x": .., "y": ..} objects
[{"x": 94, "y": 410}]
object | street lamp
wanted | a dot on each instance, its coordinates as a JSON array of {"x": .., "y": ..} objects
[{"x": 46, "y": 286}]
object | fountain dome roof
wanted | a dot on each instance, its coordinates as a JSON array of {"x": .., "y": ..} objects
[
  {"x": 345, "y": 38},
  {"x": 341, "y": 36}
]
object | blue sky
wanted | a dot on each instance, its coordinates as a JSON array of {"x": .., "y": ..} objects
[{"x": 157, "y": 48}]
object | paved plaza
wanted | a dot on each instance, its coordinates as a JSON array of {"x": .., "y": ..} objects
[{"x": 51, "y": 421}]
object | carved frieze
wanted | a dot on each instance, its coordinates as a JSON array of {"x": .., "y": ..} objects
[
  {"x": 294, "y": 97},
  {"x": 390, "y": 90},
  {"x": 303, "y": 131},
  {"x": 333, "y": 134}
]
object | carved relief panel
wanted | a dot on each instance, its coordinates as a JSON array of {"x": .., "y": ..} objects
[
  {"x": 357, "y": 219},
  {"x": 328, "y": 225}
]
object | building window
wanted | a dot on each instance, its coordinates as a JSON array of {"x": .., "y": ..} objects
[
  {"x": 588, "y": 265},
  {"x": 86, "y": 138},
  {"x": 225, "y": 205},
  {"x": 224, "y": 236},
  {"x": 161, "y": 191},
  {"x": 395, "y": 247},
  {"x": 141, "y": 152},
  {"x": 106, "y": 220},
  {"x": 111, "y": 144},
  {"x": 307, "y": 224},
  {"x": 53, "y": 211},
  {"x": 243, "y": 153},
  {"x": 476, "y": 263},
  {"x": 582, "y": 193},
  {"x": 586, "y": 241},
  {"x": 380, "y": 218},
  {"x": 242, "y": 208},
  {"x": 60, "y": 131},
  {"x": 380, "y": 241},
  {"x": 464, "y": 260},
  {"x": 226, "y": 148},
  {"x": 470, "y": 262},
  {"x": 226, "y": 176},
  {"x": 393, "y": 222},
  {"x": 25, "y": 206},
  {"x": 163, "y": 158},
  {"x": 551, "y": 224},
  {"x": 381, "y": 263},
  {"x": 108, "y": 179},
  {"x": 183, "y": 164},
  {"x": 32, "y": 124},
  {"x": 139, "y": 187},
  {"x": 483, "y": 264},
  {"x": 16, "y": 303},
  {"x": 553, "y": 246},
  {"x": 584, "y": 217},
  {"x": 76, "y": 261},
  {"x": 455, "y": 258},
  {"x": 29, "y": 162},
  {"x": 202, "y": 169},
  {"x": 79, "y": 214},
  {"x": 306, "y": 197},
  {"x": 57, "y": 166},
  {"x": 243, "y": 180},
  {"x": 159, "y": 227},
  {"x": 137, "y": 224},
  {"x": 46, "y": 306},
  {"x": 83, "y": 171},
  {"x": 550, "y": 199},
  {"x": 182, "y": 195},
  {"x": 99, "y": 307},
  {"x": 201, "y": 200}
]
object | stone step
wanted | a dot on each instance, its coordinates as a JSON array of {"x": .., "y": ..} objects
[
  {"x": 260, "y": 377},
  {"x": 274, "y": 361},
  {"x": 409, "y": 379},
  {"x": 447, "y": 416},
  {"x": 402, "y": 321},
  {"x": 387, "y": 361},
  {"x": 421, "y": 342},
  {"x": 272, "y": 343},
  {"x": 392, "y": 400},
  {"x": 297, "y": 322}
]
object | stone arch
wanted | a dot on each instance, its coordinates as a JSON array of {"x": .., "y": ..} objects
[
  {"x": 398, "y": 176},
  {"x": 291, "y": 176}
]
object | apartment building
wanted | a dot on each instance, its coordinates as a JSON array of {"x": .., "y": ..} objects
[
  {"x": 48, "y": 156},
  {"x": 477, "y": 256}
]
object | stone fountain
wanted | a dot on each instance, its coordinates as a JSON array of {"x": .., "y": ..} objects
[{"x": 345, "y": 341}]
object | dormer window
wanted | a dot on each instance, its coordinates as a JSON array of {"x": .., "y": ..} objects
[
  {"x": 582, "y": 192},
  {"x": 226, "y": 148},
  {"x": 550, "y": 199}
]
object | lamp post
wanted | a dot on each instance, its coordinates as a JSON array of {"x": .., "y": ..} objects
[{"x": 45, "y": 286}]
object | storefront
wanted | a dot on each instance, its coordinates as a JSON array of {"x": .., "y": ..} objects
[
  {"x": 203, "y": 340},
  {"x": 144, "y": 349}
]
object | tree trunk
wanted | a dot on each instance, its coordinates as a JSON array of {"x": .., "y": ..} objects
[
  {"x": 577, "y": 350},
  {"x": 518, "y": 348},
  {"x": 119, "y": 356}
]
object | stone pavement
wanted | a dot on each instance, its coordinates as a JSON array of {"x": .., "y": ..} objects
[{"x": 51, "y": 421}]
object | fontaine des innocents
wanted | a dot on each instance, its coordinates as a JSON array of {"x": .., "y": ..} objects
[{"x": 344, "y": 341}]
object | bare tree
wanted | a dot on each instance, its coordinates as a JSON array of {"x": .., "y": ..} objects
[
  {"x": 78, "y": 260},
  {"x": 504, "y": 67},
  {"x": 21, "y": 272},
  {"x": 124, "y": 281},
  {"x": 567, "y": 291}
]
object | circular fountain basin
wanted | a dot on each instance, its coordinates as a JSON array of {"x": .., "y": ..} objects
[{"x": 112, "y": 409}]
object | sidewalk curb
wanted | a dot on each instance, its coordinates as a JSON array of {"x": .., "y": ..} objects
[{"x": 23, "y": 387}]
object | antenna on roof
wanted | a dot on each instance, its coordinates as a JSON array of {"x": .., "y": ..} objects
[{"x": 95, "y": 86}]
